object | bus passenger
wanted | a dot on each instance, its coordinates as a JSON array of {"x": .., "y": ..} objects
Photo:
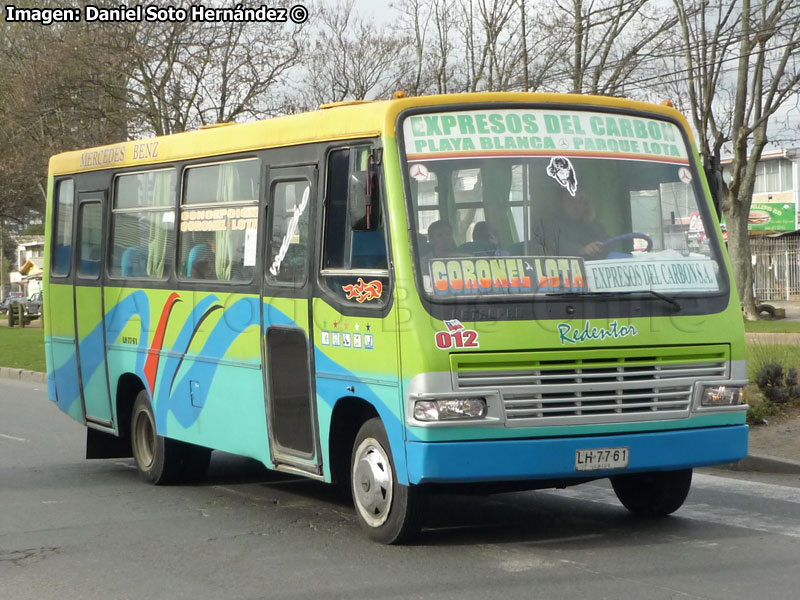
[
  {"x": 440, "y": 239},
  {"x": 578, "y": 232},
  {"x": 484, "y": 242}
]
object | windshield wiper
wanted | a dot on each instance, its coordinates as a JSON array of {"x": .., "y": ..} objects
[
  {"x": 653, "y": 293},
  {"x": 581, "y": 294},
  {"x": 661, "y": 296}
]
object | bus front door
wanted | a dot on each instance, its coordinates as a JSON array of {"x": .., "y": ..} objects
[
  {"x": 89, "y": 321},
  {"x": 288, "y": 349}
]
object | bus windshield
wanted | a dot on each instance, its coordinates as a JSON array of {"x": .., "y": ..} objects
[{"x": 544, "y": 202}]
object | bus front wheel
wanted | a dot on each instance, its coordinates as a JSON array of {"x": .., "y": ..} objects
[
  {"x": 390, "y": 513},
  {"x": 158, "y": 459},
  {"x": 655, "y": 494}
]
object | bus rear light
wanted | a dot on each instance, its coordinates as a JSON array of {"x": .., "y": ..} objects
[
  {"x": 450, "y": 408},
  {"x": 721, "y": 395}
]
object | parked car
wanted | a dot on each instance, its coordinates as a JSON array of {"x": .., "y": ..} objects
[
  {"x": 33, "y": 305},
  {"x": 12, "y": 296},
  {"x": 32, "y": 308}
]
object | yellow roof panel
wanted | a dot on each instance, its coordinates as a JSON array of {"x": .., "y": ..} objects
[{"x": 335, "y": 122}]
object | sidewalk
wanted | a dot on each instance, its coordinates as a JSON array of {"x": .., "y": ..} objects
[{"x": 791, "y": 339}]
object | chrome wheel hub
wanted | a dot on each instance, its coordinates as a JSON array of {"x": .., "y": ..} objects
[{"x": 372, "y": 482}]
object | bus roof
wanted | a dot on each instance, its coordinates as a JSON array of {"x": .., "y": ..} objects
[{"x": 341, "y": 121}]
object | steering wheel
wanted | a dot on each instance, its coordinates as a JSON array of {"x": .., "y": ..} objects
[{"x": 631, "y": 236}]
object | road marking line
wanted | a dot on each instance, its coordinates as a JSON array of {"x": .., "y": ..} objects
[
  {"x": 755, "y": 489},
  {"x": 696, "y": 511},
  {"x": 11, "y": 437}
]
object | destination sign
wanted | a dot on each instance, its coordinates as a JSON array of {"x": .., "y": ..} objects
[
  {"x": 671, "y": 275},
  {"x": 507, "y": 275},
  {"x": 511, "y": 275},
  {"x": 482, "y": 132}
]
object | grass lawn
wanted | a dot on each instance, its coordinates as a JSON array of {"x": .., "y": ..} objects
[
  {"x": 779, "y": 326},
  {"x": 760, "y": 354},
  {"x": 21, "y": 348}
]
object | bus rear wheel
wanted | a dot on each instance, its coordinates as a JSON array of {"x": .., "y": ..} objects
[
  {"x": 655, "y": 494},
  {"x": 389, "y": 512},
  {"x": 158, "y": 459}
]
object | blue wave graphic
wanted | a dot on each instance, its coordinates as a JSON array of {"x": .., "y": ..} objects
[{"x": 234, "y": 320}]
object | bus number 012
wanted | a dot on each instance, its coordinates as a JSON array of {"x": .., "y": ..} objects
[{"x": 458, "y": 339}]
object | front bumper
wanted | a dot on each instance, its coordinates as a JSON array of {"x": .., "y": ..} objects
[{"x": 554, "y": 458}]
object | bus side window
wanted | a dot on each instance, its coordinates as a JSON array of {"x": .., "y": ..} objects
[
  {"x": 143, "y": 224},
  {"x": 354, "y": 263},
  {"x": 62, "y": 249},
  {"x": 219, "y": 221}
]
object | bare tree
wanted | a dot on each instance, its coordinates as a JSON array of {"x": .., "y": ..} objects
[
  {"x": 707, "y": 39},
  {"x": 489, "y": 34},
  {"x": 186, "y": 74},
  {"x": 763, "y": 76},
  {"x": 603, "y": 42},
  {"x": 428, "y": 26},
  {"x": 351, "y": 58}
]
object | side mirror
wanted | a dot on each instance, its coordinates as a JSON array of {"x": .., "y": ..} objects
[{"x": 364, "y": 195}]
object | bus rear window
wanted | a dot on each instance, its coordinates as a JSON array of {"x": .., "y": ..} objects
[{"x": 62, "y": 250}]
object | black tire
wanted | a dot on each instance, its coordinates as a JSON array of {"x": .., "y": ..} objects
[
  {"x": 655, "y": 494},
  {"x": 159, "y": 460},
  {"x": 390, "y": 513},
  {"x": 765, "y": 308}
]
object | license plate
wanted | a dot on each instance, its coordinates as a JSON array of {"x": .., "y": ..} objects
[{"x": 601, "y": 459}]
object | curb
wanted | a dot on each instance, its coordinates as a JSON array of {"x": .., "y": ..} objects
[
  {"x": 763, "y": 464},
  {"x": 22, "y": 375},
  {"x": 772, "y": 338}
]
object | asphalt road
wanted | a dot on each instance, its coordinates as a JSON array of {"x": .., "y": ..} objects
[{"x": 71, "y": 528}]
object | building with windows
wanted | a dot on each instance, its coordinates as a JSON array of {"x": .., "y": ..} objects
[
  {"x": 773, "y": 223},
  {"x": 29, "y": 258},
  {"x": 776, "y": 196}
]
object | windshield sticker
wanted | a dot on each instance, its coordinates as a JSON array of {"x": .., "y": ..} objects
[
  {"x": 419, "y": 172},
  {"x": 562, "y": 171},
  {"x": 507, "y": 275},
  {"x": 685, "y": 175},
  {"x": 456, "y": 336},
  {"x": 568, "y": 334},
  {"x": 219, "y": 219},
  {"x": 454, "y": 325},
  {"x": 291, "y": 230},
  {"x": 541, "y": 132},
  {"x": 672, "y": 275},
  {"x": 362, "y": 291}
]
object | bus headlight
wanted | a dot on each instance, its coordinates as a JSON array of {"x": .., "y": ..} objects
[
  {"x": 721, "y": 395},
  {"x": 450, "y": 408}
]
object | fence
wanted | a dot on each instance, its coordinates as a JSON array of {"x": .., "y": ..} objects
[{"x": 777, "y": 267}]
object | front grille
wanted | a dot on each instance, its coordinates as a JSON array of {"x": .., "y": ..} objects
[{"x": 592, "y": 386}]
